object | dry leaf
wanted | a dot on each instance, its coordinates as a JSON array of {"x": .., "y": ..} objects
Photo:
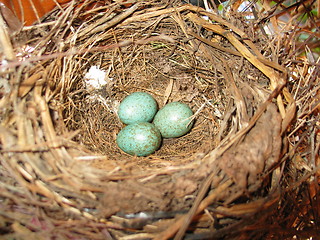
[
  {"x": 259, "y": 150},
  {"x": 168, "y": 92}
]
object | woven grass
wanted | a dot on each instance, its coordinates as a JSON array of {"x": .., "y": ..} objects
[{"x": 237, "y": 175}]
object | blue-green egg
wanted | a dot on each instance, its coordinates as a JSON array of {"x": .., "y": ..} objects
[
  {"x": 137, "y": 107},
  {"x": 139, "y": 139},
  {"x": 174, "y": 120}
]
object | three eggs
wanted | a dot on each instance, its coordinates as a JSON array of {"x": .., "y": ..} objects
[{"x": 141, "y": 137}]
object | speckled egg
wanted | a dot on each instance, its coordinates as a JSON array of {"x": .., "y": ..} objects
[
  {"x": 173, "y": 120},
  {"x": 140, "y": 139},
  {"x": 137, "y": 107}
]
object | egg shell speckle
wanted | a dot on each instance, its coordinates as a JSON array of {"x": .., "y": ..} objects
[
  {"x": 137, "y": 107},
  {"x": 173, "y": 120},
  {"x": 140, "y": 139}
]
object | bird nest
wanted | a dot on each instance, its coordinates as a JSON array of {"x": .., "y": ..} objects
[{"x": 62, "y": 173}]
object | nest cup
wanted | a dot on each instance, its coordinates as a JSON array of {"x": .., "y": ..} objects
[
  {"x": 64, "y": 132},
  {"x": 157, "y": 58}
]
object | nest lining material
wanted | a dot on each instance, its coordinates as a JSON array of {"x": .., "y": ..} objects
[{"x": 59, "y": 144}]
